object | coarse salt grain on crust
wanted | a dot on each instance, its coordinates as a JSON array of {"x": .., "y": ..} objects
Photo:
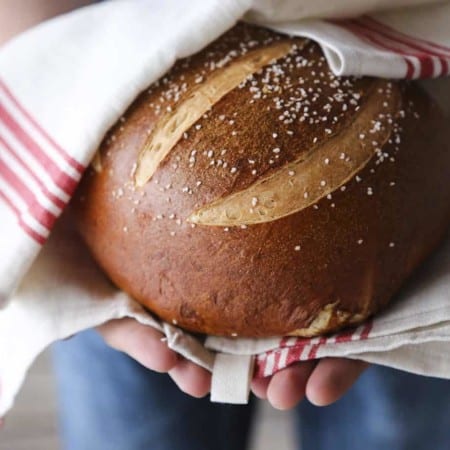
[{"x": 219, "y": 283}]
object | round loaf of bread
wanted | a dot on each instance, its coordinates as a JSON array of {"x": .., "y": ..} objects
[{"x": 250, "y": 192}]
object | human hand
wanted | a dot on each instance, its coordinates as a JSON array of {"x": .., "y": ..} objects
[
  {"x": 146, "y": 345},
  {"x": 323, "y": 382}
]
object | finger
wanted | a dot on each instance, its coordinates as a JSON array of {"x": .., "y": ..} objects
[
  {"x": 331, "y": 379},
  {"x": 143, "y": 343},
  {"x": 259, "y": 387},
  {"x": 287, "y": 387},
  {"x": 190, "y": 378}
]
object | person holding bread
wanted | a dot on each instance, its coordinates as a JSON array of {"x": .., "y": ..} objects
[{"x": 112, "y": 391}]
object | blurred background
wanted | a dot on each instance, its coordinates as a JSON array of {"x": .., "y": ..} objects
[{"x": 32, "y": 424}]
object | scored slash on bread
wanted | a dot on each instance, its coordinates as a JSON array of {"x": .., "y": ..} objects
[
  {"x": 201, "y": 99},
  {"x": 281, "y": 200},
  {"x": 314, "y": 175}
]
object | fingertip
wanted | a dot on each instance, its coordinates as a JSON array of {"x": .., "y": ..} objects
[
  {"x": 317, "y": 391},
  {"x": 191, "y": 378},
  {"x": 287, "y": 387},
  {"x": 166, "y": 360},
  {"x": 151, "y": 351},
  {"x": 331, "y": 379},
  {"x": 259, "y": 387},
  {"x": 315, "y": 395}
]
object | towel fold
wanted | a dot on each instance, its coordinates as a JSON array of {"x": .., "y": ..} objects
[{"x": 64, "y": 83}]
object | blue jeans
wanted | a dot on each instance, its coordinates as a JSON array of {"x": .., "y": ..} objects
[{"x": 110, "y": 402}]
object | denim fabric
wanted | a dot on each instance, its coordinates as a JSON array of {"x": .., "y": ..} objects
[
  {"x": 110, "y": 402},
  {"x": 385, "y": 410}
]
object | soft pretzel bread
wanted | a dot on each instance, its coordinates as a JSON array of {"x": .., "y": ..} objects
[{"x": 250, "y": 192}]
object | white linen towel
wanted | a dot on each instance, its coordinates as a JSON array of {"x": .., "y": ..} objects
[{"x": 65, "y": 82}]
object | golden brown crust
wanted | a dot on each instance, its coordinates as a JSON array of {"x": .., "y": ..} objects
[
  {"x": 176, "y": 121},
  {"x": 314, "y": 174},
  {"x": 309, "y": 269}
]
